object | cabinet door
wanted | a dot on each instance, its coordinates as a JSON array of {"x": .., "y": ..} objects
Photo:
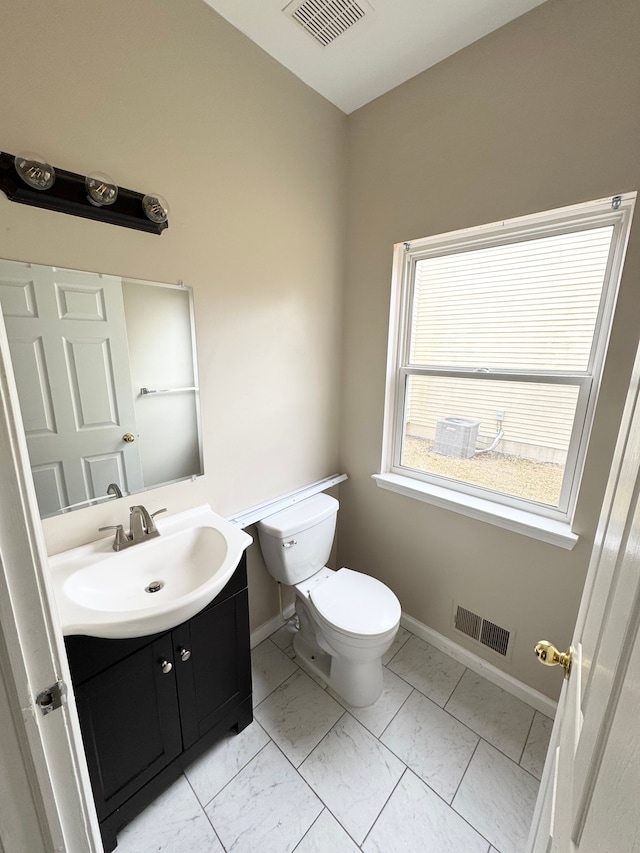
[
  {"x": 130, "y": 723},
  {"x": 217, "y": 672}
]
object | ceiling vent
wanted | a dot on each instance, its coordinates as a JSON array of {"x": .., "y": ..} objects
[{"x": 325, "y": 20}]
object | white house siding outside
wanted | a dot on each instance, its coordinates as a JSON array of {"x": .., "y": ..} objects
[{"x": 529, "y": 306}]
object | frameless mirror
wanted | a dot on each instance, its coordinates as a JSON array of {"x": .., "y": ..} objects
[{"x": 106, "y": 373}]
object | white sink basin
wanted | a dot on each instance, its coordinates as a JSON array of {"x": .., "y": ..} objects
[{"x": 151, "y": 586}]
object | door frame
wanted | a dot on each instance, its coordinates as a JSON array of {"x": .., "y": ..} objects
[{"x": 44, "y": 754}]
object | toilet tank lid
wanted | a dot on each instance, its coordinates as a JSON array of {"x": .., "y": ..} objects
[{"x": 300, "y": 516}]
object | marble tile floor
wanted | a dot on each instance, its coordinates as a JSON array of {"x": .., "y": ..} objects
[{"x": 445, "y": 761}]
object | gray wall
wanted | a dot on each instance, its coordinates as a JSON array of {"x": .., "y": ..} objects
[
  {"x": 540, "y": 114},
  {"x": 167, "y": 97}
]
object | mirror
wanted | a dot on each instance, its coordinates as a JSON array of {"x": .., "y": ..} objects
[{"x": 106, "y": 373}]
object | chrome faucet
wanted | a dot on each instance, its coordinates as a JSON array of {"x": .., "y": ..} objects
[{"x": 141, "y": 528}]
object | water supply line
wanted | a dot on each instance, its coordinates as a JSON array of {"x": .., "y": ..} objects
[{"x": 294, "y": 618}]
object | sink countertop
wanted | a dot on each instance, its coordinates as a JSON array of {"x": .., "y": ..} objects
[{"x": 100, "y": 592}]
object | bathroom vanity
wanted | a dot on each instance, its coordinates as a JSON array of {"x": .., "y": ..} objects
[{"x": 149, "y": 705}]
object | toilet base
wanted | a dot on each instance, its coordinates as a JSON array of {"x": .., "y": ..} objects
[
  {"x": 312, "y": 656},
  {"x": 358, "y": 684}
]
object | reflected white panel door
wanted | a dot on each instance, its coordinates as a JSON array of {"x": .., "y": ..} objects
[
  {"x": 69, "y": 350},
  {"x": 590, "y": 792}
]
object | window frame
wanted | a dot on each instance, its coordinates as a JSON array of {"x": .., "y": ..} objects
[{"x": 541, "y": 521}]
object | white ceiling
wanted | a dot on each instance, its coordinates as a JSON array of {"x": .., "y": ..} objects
[{"x": 393, "y": 42}]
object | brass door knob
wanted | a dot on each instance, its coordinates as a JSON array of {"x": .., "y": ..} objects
[
  {"x": 128, "y": 437},
  {"x": 547, "y": 654}
]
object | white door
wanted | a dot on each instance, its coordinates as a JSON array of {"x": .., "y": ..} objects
[
  {"x": 45, "y": 796},
  {"x": 590, "y": 793},
  {"x": 67, "y": 337}
]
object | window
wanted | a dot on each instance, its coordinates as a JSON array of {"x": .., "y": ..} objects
[{"x": 496, "y": 347}]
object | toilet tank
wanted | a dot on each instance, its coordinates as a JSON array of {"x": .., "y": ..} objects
[{"x": 296, "y": 542}]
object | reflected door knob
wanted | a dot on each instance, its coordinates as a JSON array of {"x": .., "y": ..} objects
[
  {"x": 167, "y": 666},
  {"x": 549, "y": 655},
  {"x": 128, "y": 437},
  {"x": 185, "y": 654}
]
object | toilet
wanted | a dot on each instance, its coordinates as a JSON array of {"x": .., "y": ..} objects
[{"x": 347, "y": 620}]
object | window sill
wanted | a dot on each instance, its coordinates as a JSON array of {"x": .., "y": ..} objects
[{"x": 519, "y": 521}]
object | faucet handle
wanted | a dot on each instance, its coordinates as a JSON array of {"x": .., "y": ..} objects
[
  {"x": 152, "y": 527},
  {"x": 121, "y": 537}
]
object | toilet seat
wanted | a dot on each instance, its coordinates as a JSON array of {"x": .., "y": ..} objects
[{"x": 355, "y": 604}]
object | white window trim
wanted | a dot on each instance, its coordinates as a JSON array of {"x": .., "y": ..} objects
[
  {"x": 543, "y": 523},
  {"x": 509, "y": 518}
]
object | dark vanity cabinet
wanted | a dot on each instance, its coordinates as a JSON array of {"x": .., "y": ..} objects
[{"x": 150, "y": 705}]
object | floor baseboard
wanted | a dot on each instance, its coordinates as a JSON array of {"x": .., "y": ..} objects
[
  {"x": 265, "y": 630},
  {"x": 481, "y": 667}
]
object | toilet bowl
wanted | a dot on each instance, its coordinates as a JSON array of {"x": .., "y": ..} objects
[{"x": 347, "y": 620}]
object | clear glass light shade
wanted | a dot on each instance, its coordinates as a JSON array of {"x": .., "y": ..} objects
[
  {"x": 156, "y": 207},
  {"x": 101, "y": 190},
  {"x": 35, "y": 171}
]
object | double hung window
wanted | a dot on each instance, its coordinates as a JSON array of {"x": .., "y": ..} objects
[{"x": 497, "y": 341}]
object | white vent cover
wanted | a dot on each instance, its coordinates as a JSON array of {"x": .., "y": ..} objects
[
  {"x": 482, "y": 630},
  {"x": 325, "y": 20}
]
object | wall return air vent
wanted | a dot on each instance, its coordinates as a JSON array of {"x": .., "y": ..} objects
[
  {"x": 482, "y": 630},
  {"x": 325, "y": 20}
]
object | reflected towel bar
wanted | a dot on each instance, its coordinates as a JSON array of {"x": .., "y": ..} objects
[{"x": 144, "y": 391}]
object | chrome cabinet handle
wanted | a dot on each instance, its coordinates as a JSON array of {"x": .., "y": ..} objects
[
  {"x": 167, "y": 666},
  {"x": 289, "y": 544},
  {"x": 185, "y": 654}
]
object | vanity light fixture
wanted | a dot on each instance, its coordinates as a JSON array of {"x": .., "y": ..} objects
[
  {"x": 29, "y": 179},
  {"x": 35, "y": 171}
]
